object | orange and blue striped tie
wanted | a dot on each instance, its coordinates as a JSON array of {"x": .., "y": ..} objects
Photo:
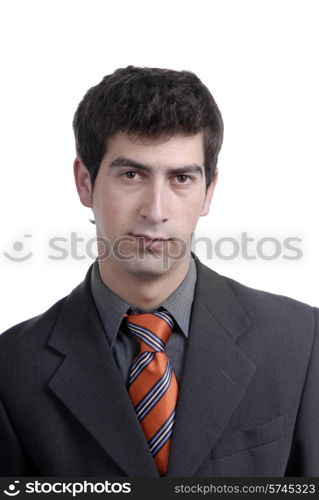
[{"x": 152, "y": 384}]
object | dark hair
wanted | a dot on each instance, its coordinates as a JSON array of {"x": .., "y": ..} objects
[{"x": 150, "y": 102}]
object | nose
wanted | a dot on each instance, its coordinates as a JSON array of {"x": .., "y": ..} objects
[{"x": 154, "y": 204}]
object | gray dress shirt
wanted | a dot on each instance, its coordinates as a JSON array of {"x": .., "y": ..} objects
[{"x": 125, "y": 348}]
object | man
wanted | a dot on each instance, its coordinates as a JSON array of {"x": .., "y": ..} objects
[{"x": 156, "y": 365}]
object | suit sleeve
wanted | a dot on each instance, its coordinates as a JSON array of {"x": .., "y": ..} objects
[
  {"x": 13, "y": 460},
  {"x": 304, "y": 456}
]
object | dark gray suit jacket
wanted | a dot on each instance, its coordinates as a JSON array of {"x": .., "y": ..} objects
[{"x": 249, "y": 398}]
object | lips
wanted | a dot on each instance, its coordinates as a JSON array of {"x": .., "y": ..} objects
[
  {"x": 147, "y": 237},
  {"x": 150, "y": 241}
]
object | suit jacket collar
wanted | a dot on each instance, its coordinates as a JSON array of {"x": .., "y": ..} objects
[{"x": 215, "y": 378}]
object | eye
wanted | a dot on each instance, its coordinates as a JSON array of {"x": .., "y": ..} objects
[
  {"x": 131, "y": 175},
  {"x": 183, "y": 179}
]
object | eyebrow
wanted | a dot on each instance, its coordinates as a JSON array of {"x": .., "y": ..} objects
[{"x": 121, "y": 161}]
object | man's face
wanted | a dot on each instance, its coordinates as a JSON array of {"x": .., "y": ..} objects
[{"x": 146, "y": 200}]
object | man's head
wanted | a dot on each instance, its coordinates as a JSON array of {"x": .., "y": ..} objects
[
  {"x": 147, "y": 145},
  {"x": 146, "y": 102}
]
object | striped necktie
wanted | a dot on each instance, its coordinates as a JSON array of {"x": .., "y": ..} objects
[{"x": 152, "y": 384}]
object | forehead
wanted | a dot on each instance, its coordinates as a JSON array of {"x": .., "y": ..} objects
[{"x": 174, "y": 151}]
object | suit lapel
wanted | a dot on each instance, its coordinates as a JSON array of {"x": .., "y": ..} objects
[
  {"x": 216, "y": 373},
  {"x": 90, "y": 385}
]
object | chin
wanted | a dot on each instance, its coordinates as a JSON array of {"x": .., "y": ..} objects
[{"x": 150, "y": 266}]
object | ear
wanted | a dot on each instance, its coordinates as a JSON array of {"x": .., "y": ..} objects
[
  {"x": 83, "y": 182},
  {"x": 209, "y": 194}
]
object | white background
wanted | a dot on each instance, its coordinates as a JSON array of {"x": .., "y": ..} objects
[{"x": 260, "y": 60}]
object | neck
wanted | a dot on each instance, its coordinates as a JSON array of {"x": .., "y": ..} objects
[{"x": 143, "y": 291}]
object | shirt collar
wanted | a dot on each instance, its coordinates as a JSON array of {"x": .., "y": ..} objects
[
  {"x": 179, "y": 303},
  {"x": 112, "y": 308}
]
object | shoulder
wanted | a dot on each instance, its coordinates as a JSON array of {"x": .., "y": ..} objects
[
  {"x": 24, "y": 356},
  {"x": 37, "y": 329},
  {"x": 261, "y": 306},
  {"x": 271, "y": 329},
  {"x": 26, "y": 332},
  {"x": 264, "y": 302}
]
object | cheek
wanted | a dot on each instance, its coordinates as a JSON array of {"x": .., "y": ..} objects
[
  {"x": 189, "y": 212},
  {"x": 111, "y": 212}
]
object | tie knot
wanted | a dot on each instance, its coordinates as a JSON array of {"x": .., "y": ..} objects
[{"x": 151, "y": 330}]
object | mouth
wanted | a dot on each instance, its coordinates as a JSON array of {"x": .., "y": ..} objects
[
  {"x": 150, "y": 241},
  {"x": 148, "y": 237}
]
